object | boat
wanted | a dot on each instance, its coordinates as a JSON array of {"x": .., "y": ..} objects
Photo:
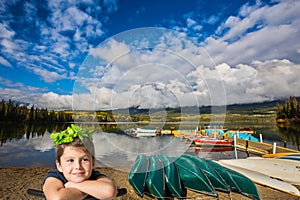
[
  {"x": 216, "y": 180},
  {"x": 240, "y": 135},
  {"x": 273, "y": 155},
  {"x": 164, "y": 177},
  {"x": 246, "y": 130},
  {"x": 296, "y": 158},
  {"x": 237, "y": 182},
  {"x": 193, "y": 178},
  {"x": 138, "y": 174},
  {"x": 212, "y": 149},
  {"x": 212, "y": 142},
  {"x": 265, "y": 180},
  {"x": 142, "y": 132},
  {"x": 173, "y": 181},
  {"x": 283, "y": 169},
  {"x": 155, "y": 181}
]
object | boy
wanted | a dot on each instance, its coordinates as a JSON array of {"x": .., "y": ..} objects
[{"x": 75, "y": 177}]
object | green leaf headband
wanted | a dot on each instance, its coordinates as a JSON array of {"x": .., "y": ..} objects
[{"x": 70, "y": 134}]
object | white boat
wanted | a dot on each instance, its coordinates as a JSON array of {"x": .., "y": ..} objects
[
  {"x": 140, "y": 132},
  {"x": 265, "y": 180},
  {"x": 284, "y": 169}
]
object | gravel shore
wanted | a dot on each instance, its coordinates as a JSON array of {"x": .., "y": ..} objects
[{"x": 16, "y": 181}]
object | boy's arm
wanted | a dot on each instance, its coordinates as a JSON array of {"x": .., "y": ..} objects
[
  {"x": 54, "y": 189},
  {"x": 102, "y": 188}
]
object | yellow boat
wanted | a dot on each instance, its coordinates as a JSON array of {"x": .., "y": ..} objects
[{"x": 274, "y": 155}]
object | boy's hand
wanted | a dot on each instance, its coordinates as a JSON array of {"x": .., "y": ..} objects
[
  {"x": 70, "y": 185},
  {"x": 73, "y": 185}
]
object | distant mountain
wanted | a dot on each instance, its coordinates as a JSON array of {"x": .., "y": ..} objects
[{"x": 253, "y": 108}]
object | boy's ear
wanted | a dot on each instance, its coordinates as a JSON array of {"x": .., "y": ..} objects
[{"x": 58, "y": 166}]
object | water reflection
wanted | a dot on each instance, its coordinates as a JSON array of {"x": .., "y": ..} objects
[
  {"x": 290, "y": 133},
  {"x": 16, "y": 131},
  {"x": 30, "y": 145},
  {"x": 116, "y": 150}
]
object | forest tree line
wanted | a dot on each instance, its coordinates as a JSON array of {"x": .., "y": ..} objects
[
  {"x": 289, "y": 111},
  {"x": 13, "y": 112}
]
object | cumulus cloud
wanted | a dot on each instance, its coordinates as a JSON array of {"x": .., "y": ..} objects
[{"x": 252, "y": 56}]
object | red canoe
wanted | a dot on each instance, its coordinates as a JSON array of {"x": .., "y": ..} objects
[{"x": 212, "y": 142}]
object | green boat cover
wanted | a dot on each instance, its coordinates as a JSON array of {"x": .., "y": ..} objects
[
  {"x": 167, "y": 177},
  {"x": 216, "y": 180},
  {"x": 155, "y": 181},
  {"x": 193, "y": 178},
  {"x": 173, "y": 181},
  {"x": 138, "y": 174}
]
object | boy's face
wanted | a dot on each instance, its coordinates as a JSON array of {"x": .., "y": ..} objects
[{"x": 75, "y": 164}]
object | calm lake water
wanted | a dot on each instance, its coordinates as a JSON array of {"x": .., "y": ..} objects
[{"x": 31, "y": 146}]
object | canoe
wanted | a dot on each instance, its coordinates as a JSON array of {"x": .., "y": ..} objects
[
  {"x": 193, "y": 178},
  {"x": 284, "y": 169},
  {"x": 225, "y": 175},
  {"x": 273, "y": 155},
  {"x": 173, "y": 182},
  {"x": 265, "y": 180},
  {"x": 155, "y": 181},
  {"x": 216, "y": 180},
  {"x": 212, "y": 142},
  {"x": 138, "y": 174},
  {"x": 236, "y": 181},
  {"x": 296, "y": 158}
]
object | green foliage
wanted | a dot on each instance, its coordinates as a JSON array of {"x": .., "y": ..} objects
[
  {"x": 11, "y": 112},
  {"x": 70, "y": 134},
  {"x": 289, "y": 110}
]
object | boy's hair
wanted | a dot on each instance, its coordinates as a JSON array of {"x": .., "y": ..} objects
[{"x": 85, "y": 144}]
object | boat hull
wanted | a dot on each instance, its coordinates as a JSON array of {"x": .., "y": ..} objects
[
  {"x": 213, "y": 143},
  {"x": 284, "y": 169},
  {"x": 138, "y": 174},
  {"x": 266, "y": 180}
]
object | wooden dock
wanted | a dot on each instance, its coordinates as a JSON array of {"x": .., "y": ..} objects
[{"x": 260, "y": 148}]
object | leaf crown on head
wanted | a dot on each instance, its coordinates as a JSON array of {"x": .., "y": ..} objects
[{"x": 70, "y": 134}]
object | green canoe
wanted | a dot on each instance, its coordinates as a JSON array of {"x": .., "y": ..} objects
[
  {"x": 155, "y": 181},
  {"x": 138, "y": 174},
  {"x": 193, "y": 178},
  {"x": 216, "y": 180},
  {"x": 225, "y": 175},
  {"x": 237, "y": 181},
  {"x": 173, "y": 182}
]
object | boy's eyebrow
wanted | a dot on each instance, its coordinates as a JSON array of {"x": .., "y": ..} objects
[{"x": 71, "y": 156}]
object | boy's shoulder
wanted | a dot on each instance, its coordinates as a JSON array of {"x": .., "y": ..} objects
[{"x": 56, "y": 174}]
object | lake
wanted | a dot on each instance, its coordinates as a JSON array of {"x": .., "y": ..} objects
[{"x": 30, "y": 145}]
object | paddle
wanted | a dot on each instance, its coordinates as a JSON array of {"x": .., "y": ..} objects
[{"x": 40, "y": 193}]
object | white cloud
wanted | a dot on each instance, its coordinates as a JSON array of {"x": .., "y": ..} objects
[
  {"x": 52, "y": 100},
  {"x": 5, "y": 32},
  {"x": 4, "y": 62},
  {"x": 253, "y": 56},
  {"x": 272, "y": 35}
]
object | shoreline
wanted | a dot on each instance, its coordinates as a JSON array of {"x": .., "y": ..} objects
[{"x": 19, "y": 179}]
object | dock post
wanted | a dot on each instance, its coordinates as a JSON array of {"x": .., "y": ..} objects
[
  {"x": 260, "y": 138},
  {"x": 274, "y": 148},
  {"x": 234, "y": 143},
  {"x": 247, "y": 146},
  {"x": 284, "y": 144}
]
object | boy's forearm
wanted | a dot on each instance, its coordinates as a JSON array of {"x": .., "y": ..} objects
[
  {"x": 99, "y": 189},
  {"x": 71, "y": 193}
]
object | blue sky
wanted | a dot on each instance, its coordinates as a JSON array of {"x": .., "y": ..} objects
[{"x": 237, "y": 51}]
